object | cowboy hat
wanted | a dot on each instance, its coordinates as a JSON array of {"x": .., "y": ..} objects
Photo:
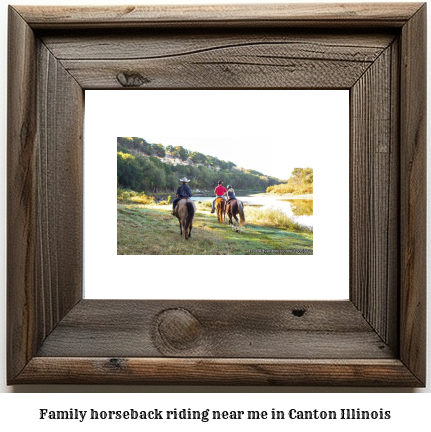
[{"x": 184, "y": 179}]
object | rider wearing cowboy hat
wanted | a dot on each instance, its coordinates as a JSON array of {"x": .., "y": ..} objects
[{"x": 183, "y": 191}]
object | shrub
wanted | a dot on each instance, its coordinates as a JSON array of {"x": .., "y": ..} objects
[
  {"x": 165, "y": 202},
  {"x": 136, "y": 197}
]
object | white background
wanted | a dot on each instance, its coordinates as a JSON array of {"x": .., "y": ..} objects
[
  {"x": 281, "y": 118},
  {"x": 21, "y": 410}
]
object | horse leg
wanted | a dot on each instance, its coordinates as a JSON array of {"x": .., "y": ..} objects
[
  {"x": 220, "y": 212},
  {"x": 236, "y": 222},
  {"x": 186, "y": 236},
  {"x": 231, "y": 215},
  {"x": 181, "y": 228}
]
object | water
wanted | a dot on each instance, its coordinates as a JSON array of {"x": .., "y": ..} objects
[{"x": 299, "y": 210}]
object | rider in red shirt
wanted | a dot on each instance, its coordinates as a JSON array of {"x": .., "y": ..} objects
[{"x": 220, "y": 190}]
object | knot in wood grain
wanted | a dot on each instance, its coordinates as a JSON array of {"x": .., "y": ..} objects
[
  {"x": 298, "y": 312},
  {"x": 115, "y": 363},
  {"x": 178, "y": 329},
  {"x": 131, "y": 79}
]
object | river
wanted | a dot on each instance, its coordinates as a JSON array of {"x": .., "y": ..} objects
[{"x": 300, "y": 210}]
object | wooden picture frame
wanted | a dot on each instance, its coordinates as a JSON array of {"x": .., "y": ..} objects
[{"x": 376, "y": 338}]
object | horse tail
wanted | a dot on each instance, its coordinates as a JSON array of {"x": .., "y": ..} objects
[
  {"x": 189, "y": 219},
  {"x": 241, "y": 213}
]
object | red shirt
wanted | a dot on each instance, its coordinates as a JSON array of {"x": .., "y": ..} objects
[{"x": 220, "y": 190}]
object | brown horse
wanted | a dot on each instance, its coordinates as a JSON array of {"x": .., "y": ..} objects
[
  {"x": 185, "y": 212},
  {"x": 236, "y": 207},
  {"x": 220, "y": 206}
]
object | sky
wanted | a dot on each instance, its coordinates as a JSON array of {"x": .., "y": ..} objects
[{"x": 271, "y": 131}]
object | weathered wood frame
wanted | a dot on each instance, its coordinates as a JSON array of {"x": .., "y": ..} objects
[{"x": 376, "y": 338}]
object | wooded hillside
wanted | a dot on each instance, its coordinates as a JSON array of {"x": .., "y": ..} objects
[{"x": 140, "y": 167}]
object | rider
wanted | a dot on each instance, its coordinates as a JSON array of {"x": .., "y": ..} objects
[
  {"x": 183, "y": 191},
  {"x": 230, "y": 194},
  {"x": 220, "y": 190}
]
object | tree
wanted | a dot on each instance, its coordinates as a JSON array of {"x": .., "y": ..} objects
[
  {"x": 159, "y": 180},
  {"x": 172, "y": 182},
  {"x": 307, "y": 175},
  {"x": 159, "y": 149},
  {"x": 184, "y": 154},
  {"x": 129, "y": 172},
  {"x": 147, "y": 148},
  {"x": 173, "y": 151},
  {"x": 197, "y": 157},
  {"x": 137, "y": 143}
]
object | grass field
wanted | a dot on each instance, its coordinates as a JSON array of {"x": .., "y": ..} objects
[{"x": 152, "y": 230}]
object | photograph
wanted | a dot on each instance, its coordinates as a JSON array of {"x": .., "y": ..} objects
[{"x": 208, "y": 195}]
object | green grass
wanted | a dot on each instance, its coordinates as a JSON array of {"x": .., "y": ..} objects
[{"x": 152, "y": 230}]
